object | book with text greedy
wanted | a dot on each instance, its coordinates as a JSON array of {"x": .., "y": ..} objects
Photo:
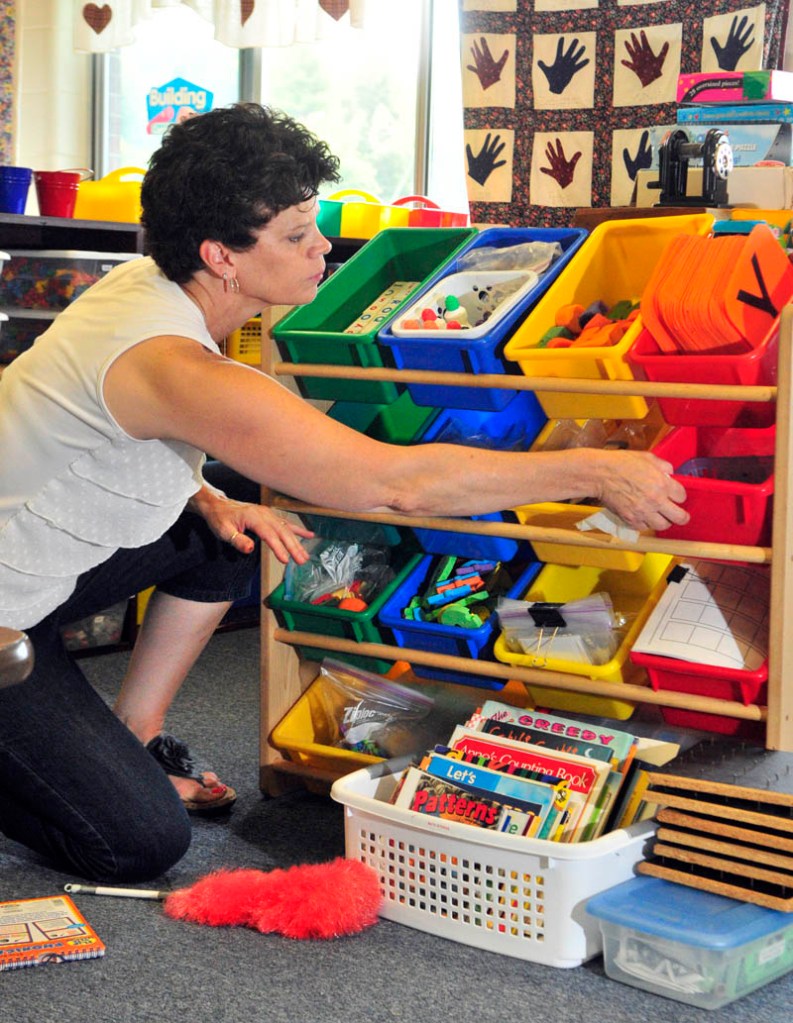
[
  {"x": 45, "y": 930},
  {"x": 584, "y": 778},
  {"x": 432, "y": 796},
  {"x": 621, "y": 744}
]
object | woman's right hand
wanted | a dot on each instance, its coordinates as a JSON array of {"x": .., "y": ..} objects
[{"x": 638, "y": 486}]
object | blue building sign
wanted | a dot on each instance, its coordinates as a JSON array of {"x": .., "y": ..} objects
[{"x": 174, "y": 102}]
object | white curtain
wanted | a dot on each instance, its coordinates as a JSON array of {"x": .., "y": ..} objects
[{"x": 99, "y": 27}]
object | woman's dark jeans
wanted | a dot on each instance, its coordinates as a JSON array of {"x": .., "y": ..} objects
[{"x": 75, "y": 784}]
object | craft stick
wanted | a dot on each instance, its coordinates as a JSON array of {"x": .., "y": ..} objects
[
  {"x": 724, "y": 829},
  {"x": 513, "y": 530},
  {"x": 753, "y": 853},
  {"x": 508, "y": 382},
  {"x": 719, "y": 887},
  {"x": 738, "y": 868},
  {"x": 727, "y": 811},
  {"x": 557, "y": 680}
]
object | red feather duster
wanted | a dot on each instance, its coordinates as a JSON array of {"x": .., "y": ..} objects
[{"x": 320, "y": 900}]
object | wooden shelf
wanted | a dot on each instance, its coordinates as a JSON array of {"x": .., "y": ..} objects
[
  {"x": 21, "y": 232},
  {"x": 285, "y": 676}
]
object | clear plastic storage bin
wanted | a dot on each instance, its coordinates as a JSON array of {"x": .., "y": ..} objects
[
  {"x": 690, "y": 945},
  {"x": 51, "y": 279}
]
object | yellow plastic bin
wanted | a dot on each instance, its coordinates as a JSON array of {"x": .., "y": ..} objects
[
  {"x": 634, "y": 595},
  {"x": 245, "y": 343},
  {"x": 116, "y": 197},
  {"x": 304, "y": 735},
  {"x": 572, "y": 433},
  {"x": 363, "y": 215},
  {"x": 614, "y": 264},
  {"x": 558, "y": 515}
]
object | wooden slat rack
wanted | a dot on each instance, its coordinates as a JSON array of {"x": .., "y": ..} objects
[{"x": 285, "y": 676}]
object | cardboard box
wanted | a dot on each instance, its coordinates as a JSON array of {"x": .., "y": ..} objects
[{"x": 735, "y": 87}]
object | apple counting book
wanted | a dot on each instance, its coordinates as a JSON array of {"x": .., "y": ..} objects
[{"x": 527, "y": 773}]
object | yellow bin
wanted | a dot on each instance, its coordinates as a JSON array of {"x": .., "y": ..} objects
[
  {"x": 306, "y": 734},
  {"x": 362, "y": 215},
  {"x": 116, "y": 196},
  {"x": 558, "y": 515},
  {"x": 613, "y": 264},
  {"x": 634, "y": 595}
]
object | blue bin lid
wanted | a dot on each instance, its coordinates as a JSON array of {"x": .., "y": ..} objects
[{"x": 686, "y": 915}]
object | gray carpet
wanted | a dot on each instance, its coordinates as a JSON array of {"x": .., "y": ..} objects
[{"x": 157, "y": 969}]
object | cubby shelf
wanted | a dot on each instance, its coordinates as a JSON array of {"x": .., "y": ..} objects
[{"x": 285, "y": 676}]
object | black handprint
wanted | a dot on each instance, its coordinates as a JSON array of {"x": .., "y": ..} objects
[
  {"x": 484, "y": 67},
  {"x": 738, "y": 42},
  {"x": 647, "y": 65},
  {"x": 481, "y": 166},
  {"x": 561, "y": 72},
  {"x": 561, "y": 170},
  {"x": 643, "y": 159}
]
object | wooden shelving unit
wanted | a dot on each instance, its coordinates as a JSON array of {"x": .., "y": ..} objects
[{"x": 285, "y": 676}]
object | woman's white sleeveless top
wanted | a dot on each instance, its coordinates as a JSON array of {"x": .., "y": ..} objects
[{"x": 74, "y": 487}]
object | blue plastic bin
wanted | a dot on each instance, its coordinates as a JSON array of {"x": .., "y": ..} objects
[
  {"x": 436, "y": 351},
  {"x": 515, "y": 427},
  {"x": 447, "y": 639}
]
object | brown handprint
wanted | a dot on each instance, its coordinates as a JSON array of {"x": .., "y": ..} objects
[
  {"x": 561, "y": 170},
  {"x": 484, "y": 67},
  {"x": 647, "y": 65}
]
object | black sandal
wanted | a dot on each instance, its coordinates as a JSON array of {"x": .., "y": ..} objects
[{"x": 175, "y": 758}]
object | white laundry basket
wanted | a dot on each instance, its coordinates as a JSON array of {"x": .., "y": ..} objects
[{"x": 523, "y": 897}]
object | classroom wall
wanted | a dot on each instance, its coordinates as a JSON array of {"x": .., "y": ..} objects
[{"x": 52, "y": 86}]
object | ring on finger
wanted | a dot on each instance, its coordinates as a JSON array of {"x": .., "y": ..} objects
[{"x": 234, "y": 536}]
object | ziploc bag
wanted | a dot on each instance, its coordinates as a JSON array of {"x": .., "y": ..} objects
[
  {"x": 585, "y": 630},
  {"x": 369, "y": 713},
  {"x": 337, "y": 565}
]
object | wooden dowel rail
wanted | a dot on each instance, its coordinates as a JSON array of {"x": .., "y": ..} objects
[
  {"x": 508, "y": 382},
  {"x": 536, "y": 676},
  {"x": 516, "y": 531}
]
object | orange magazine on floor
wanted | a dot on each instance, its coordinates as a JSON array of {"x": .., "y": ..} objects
[{"x": 45, "y": 930}]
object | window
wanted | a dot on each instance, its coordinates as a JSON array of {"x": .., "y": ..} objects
[
  {"x": 386, "y": 98},
  {"x": 175, "y": 43}
]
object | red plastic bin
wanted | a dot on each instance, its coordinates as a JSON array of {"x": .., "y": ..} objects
[
  {"x": 669, "y": 673},
  {"x": 752, "y": 369},
  {"x": 722, "y": 510}
]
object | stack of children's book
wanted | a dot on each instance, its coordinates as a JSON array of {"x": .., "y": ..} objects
[{"x": 528, "y": 773}]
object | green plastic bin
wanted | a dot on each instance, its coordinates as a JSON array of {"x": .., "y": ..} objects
[
  {"x": 318, "y": 333},
  {"x": 362, "y": 626},
  {"x": 399, "y": 422}
]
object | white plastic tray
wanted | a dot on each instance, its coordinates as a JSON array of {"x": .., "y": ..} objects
[{"x": 474, "y": 290}]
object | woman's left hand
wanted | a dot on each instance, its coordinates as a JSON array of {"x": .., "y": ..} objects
[{"x": 231, "y": 520}]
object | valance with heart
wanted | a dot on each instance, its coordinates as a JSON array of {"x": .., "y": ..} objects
[{"x": 99, "y": 27}]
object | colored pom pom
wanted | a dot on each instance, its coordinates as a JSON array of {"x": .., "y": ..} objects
[{"x": 321, "y": 900}]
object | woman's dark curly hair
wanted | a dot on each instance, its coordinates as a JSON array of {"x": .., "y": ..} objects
[{"x": 223, "y": 175}]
